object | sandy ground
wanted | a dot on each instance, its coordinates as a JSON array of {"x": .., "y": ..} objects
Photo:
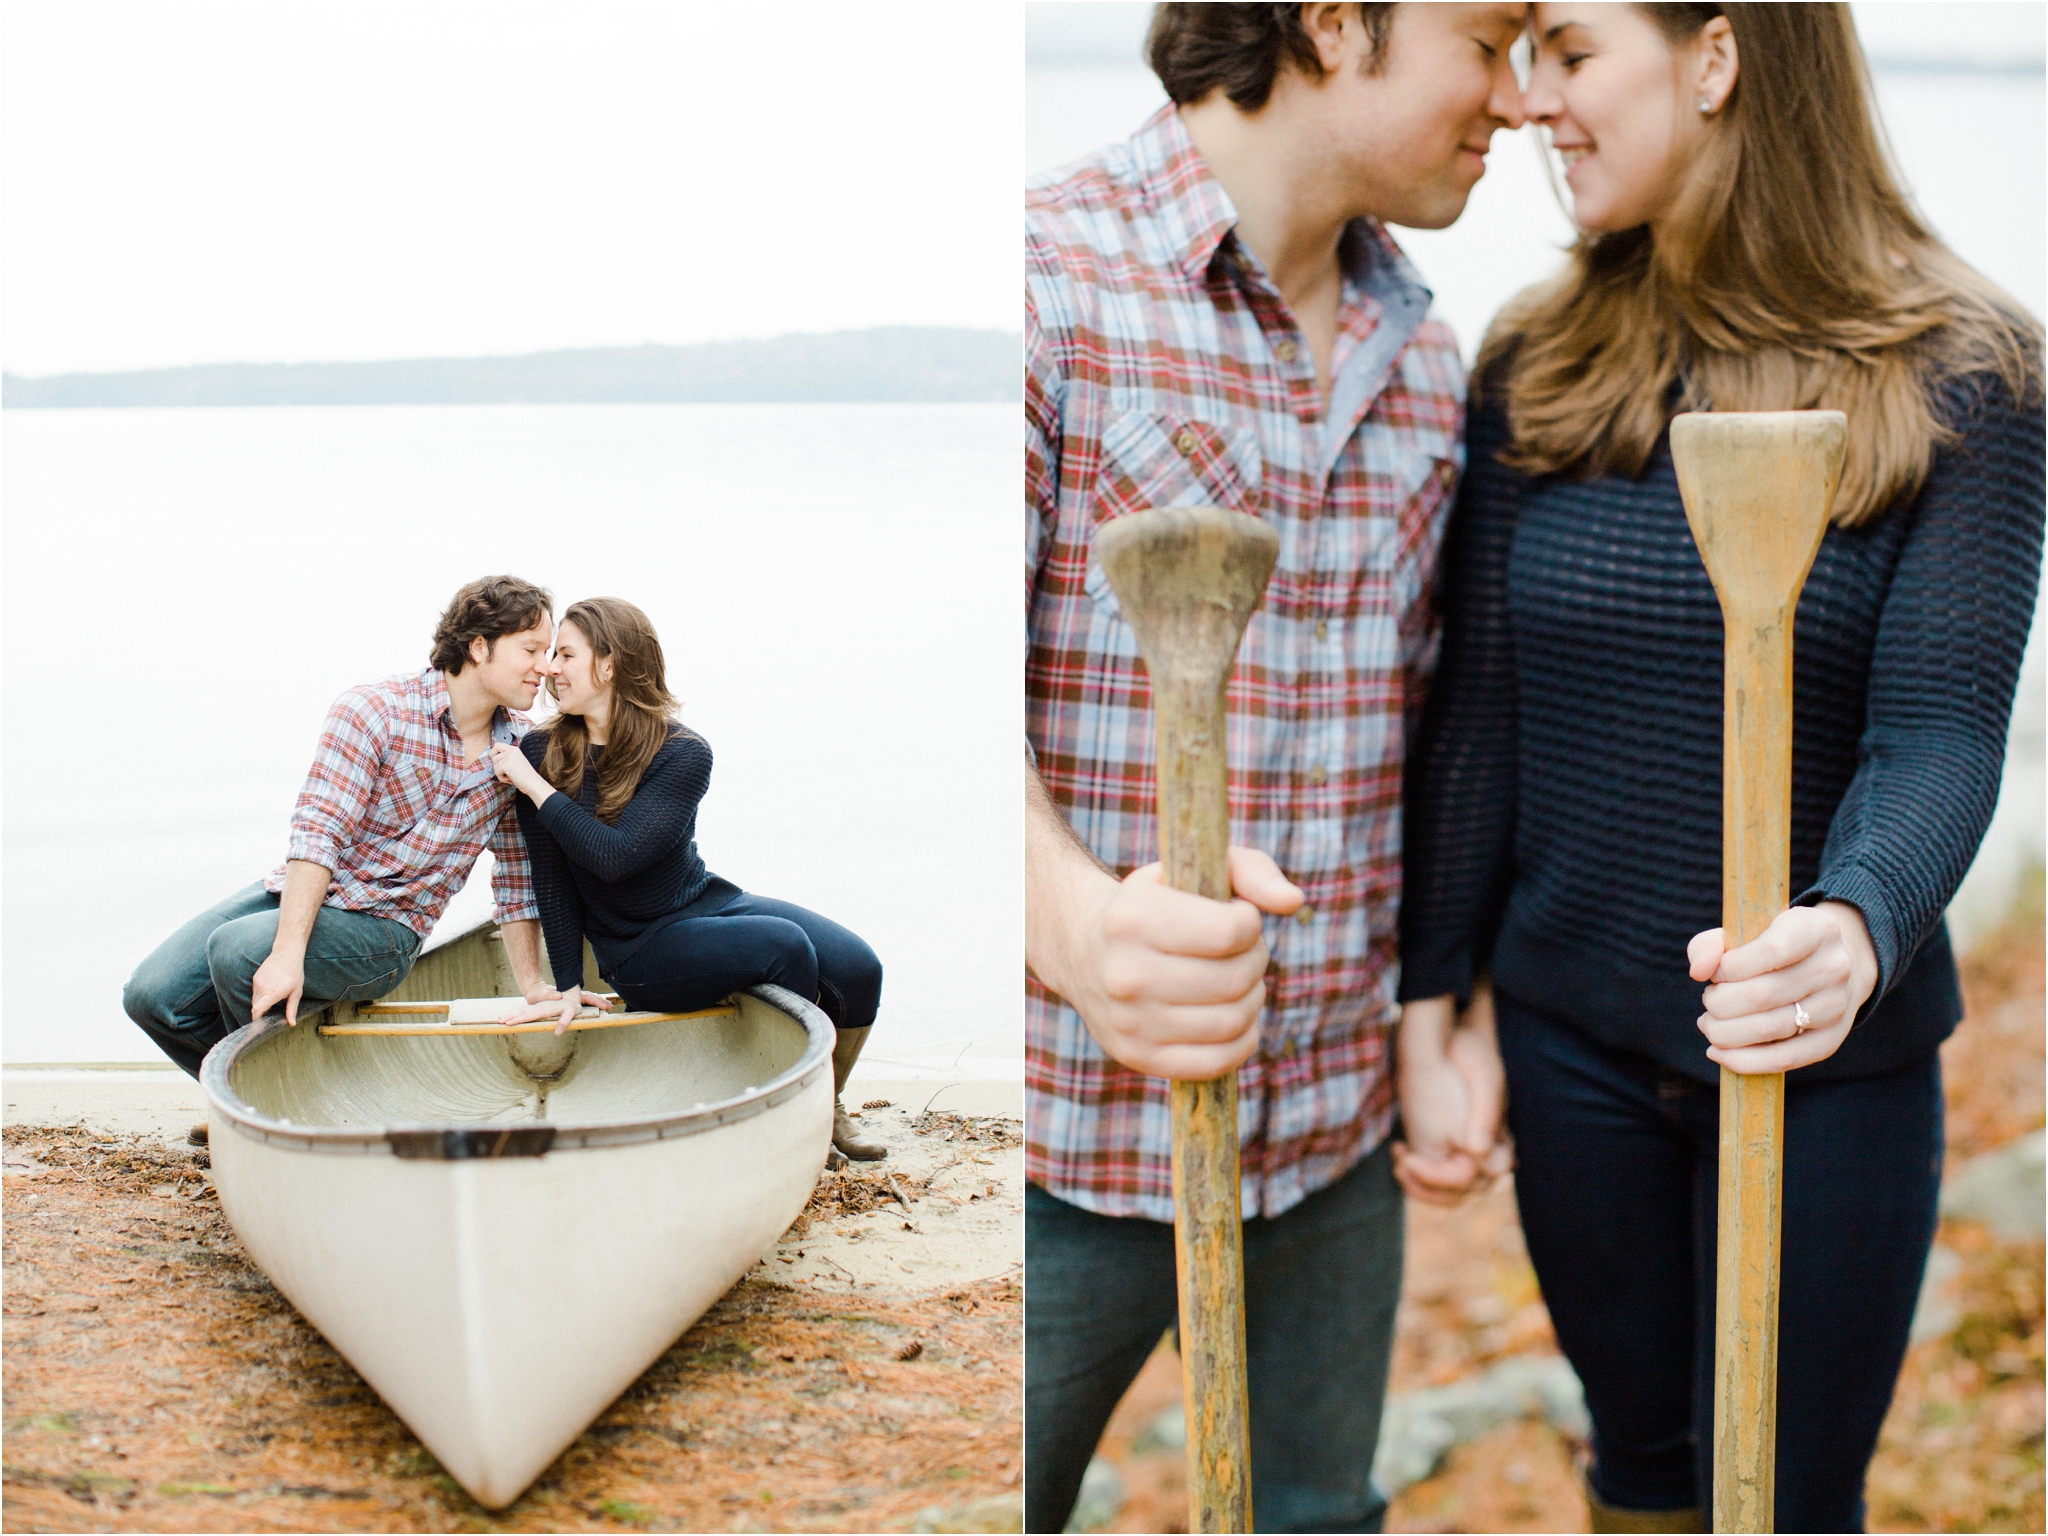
[
  {"x": 1960, "y": 1451},
  {"x": 864, "y": 1376}
]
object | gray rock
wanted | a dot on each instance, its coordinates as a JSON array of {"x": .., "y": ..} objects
[
  {"x": 1418, "y": 1429},
  {"x": 1167, "y": 1432},
  {"x": 1936, "y": 1312},
  {"x": 997, "y": 1512},
  {"x": 1101, "y": 1497},
  {"x": 2004, "y": 1189}
]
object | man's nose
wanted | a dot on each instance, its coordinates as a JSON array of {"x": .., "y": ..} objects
[{"x": 1507, "y": 102}]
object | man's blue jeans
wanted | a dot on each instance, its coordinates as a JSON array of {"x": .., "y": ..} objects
[
  {"x": 1321, "y": 1283},
  {"x": 195, "y": 989}
]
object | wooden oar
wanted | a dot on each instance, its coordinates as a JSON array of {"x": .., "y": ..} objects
[
  {"x": 1188, "y": 579},
  {"x": 1758, "y": 488}
]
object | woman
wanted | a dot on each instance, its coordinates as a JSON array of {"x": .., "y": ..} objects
[
  {"x": 608, "y": 802},
  {"x": 1744, "y": 247}
]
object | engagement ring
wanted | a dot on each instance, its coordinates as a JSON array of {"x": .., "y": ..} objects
[{"x": 1800, "y": 1018}]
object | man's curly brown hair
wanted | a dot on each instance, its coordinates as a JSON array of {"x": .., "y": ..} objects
[
  {"x": 488, "y": 609},
  {"x": 1241, "y": 49}
]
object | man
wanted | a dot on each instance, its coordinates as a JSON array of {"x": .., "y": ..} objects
[
  {"x": 1216, "y": 316},
  {"x": 400, "y": 800}
]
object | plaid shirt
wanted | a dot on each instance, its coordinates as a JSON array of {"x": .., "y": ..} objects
[
  {"x": 1162, "y": 368},
  {"x": 391, "y": 808}
]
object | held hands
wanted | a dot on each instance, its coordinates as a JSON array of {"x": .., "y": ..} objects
[
  {"x": 1170, "y": 983},
  {"x": 1453, "y": 1094},
  {"x": 1818, "y": 959},
  {"x": 511, "y": 767},
  {"x": 559, "y": 1006}
]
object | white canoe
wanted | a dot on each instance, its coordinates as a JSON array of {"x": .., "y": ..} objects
[{"x": 497, "y": 1262}]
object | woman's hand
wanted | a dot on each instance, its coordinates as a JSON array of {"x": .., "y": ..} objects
[
  {"x": 1816, "y": 961},
  {"x": 559, "y": 1006},
  {"x": 511, "y": 767},
  {"x": 1453, "y": 1093}
]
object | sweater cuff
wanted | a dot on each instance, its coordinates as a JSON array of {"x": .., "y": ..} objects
[
  {"x": 1433, "y": 977},
  {"x": 1888, "y": 941}
]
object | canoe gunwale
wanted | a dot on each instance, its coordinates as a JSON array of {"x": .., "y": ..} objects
[{"x": 374, "y": 1141}]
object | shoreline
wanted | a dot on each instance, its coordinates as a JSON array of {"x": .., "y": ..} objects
[{"x": 157, "y": 1099}]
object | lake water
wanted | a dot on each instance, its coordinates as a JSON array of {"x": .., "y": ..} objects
[{"x": 186, "y": 591}]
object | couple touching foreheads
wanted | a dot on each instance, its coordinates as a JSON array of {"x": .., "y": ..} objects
[
  {"x": 591, "y": 816},
  {"x": 1475, "y": 729}
]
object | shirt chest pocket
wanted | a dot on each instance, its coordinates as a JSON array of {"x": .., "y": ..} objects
[
  {"x": 404, "y": 797},
  {"x": 1152, "y": 459}
]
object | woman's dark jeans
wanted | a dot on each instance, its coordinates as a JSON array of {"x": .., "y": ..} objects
[
  {"x": 753, "y": 939},
  {"x": 1616, "y": 1178},
  {"x": 1320, "y": 1281}
]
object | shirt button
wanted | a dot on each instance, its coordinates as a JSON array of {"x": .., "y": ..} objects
[
  {"x": 1317, "y": 775},
  {"x": 1305, "y": 916},
  {"x": 1288, "y": 350},
  {"x": 1322, "y": 629},
  {"x": 1184, "y": 440}
]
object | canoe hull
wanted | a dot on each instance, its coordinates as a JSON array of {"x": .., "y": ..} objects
[{"x": 498, "y": 1304}]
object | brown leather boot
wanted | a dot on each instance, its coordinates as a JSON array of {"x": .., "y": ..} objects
[
  {"x": 845, "y": 1135},
  {"x": 1605, "y": 1517}
]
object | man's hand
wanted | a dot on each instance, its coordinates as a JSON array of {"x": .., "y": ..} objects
[
  {"x": 521, "y": 938},
  {"x": 559, "y": 1006},
  {"x": 281, "y": 978},
  {"x": 1453, "y": 1095},
  {"x": 1168, "y": 983}
]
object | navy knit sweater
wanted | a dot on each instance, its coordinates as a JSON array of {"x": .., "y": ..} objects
[
  {"x": 1564, "y": 793},
  {"x": 617, "y": 884}
]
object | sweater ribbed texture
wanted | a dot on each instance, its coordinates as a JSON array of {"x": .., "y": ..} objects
[
  {"x": 1564, "y": 795},
  {"x": 617, "y": 884}
]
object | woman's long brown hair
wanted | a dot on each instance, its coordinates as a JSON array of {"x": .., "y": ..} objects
[
  {"x": 643, "y": 710},
  {"x": 1791, "y": 274}
]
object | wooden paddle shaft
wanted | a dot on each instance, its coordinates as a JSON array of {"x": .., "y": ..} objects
[
  {"x": 1188, "y": 579},
  {"x": 1758, "y": 488}
]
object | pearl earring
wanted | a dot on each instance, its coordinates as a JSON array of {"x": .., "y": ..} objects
[{"x": 1705, "y": 105}]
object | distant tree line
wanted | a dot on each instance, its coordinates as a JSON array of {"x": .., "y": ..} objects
[{"x": 888, "y": 363}]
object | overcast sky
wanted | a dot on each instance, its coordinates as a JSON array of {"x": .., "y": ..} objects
[
  {"x": 216, "y": 180},
  {"x": 1999, "y": 33}
]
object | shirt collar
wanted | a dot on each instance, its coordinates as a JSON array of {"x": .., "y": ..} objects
[
  {"x": 1196, "y": 215},
  {"x": 506, "y": 724},
  {"x": 435, "y": 682},
  {"x": 1194, "y": 212}
]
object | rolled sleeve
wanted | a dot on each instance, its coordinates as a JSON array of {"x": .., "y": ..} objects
[
  {"x": 335, "y": 800},
  {"x": 512, "y": 873}
]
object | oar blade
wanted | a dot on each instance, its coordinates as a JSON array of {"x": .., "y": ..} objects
[{"x": 1758, "y": 487}]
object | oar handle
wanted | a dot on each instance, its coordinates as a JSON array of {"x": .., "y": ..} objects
[
  {"x": 1208, "y": 1233},
  {"x": 1756, "y": 810}
]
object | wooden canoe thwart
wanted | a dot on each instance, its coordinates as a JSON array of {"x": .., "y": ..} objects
[
  {"x": 378, "y": 1013},
  {"x": 501, "y": 1230}
]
